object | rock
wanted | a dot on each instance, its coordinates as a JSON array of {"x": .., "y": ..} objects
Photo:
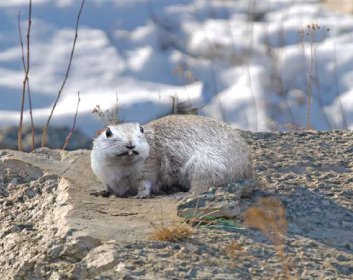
[
  {"x": 218, "y": 202},
  {"x": 101, "y": 258},
  {"x": 120, "y": 267},
  {"x": 79, "y": 246},
  {"x": 97, "y": 260},
  {"x": 30, "y": 193},
  {"x": 3, "y": 192}
]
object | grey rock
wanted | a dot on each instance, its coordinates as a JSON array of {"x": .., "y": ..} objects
[
  {"x": 100, "y": 259},
  {"x": 30, "y": 193},
  {"x": 218, "y": 202}
]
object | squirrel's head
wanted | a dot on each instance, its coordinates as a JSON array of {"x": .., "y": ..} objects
[{"x": 124, "y": 142}]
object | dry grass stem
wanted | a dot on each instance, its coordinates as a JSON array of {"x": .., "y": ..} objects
[
  {"x": 268, "y": 215},
  {"x": 173, "y": 233},
  {"x": 249, "y": 55},
  {"x": 107, "y": 116},
  {"x": 25, "y": 83},
  {"x": 45, "y": 129},
  {"x": 31, "y": 115},
  {"x": 310, "y": 32},
  {"x": 338, "y": 90},
  {"x": 199, "y": 218},
  {"x": 212, "y": 58},
  {"x": 206, "y": 219},
  {"x": 68, "y": 137}
]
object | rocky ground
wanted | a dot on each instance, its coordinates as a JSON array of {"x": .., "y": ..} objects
[{"x": 51, "y": 228}]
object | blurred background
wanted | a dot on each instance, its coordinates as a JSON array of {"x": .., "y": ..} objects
[{"x": 254, "y": 64}]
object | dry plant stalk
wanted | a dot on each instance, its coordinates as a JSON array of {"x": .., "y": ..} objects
[
  {"x": 45, "y": 129},
  {"x": 199, "y": 218},
  {"x": 310, "y": 32},
  {"x": 184, "y": 73},
  {"x": 98, "y": 111},
  {"x": 277, "y": 55},
  {"x": 268, "y": 215},
  {"x": 173, "y": 233},
  {"x": 108, "y": 116},
  {"x": 202, "y": 218},
  {"x": 68, "y": 137},
  {"x": 25, "y": 83},
  {"x": 176, "y": 231},
  {"x": 338, "y": 90}
]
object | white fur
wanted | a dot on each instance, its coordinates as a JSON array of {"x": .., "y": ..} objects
[{"x": 114, "y": 170}]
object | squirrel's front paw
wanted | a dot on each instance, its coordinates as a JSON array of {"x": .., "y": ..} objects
[
  {"x": 143, "y": 194},
  {"x": 102, "y": 193},
  {"x": 144, "y": 190}
]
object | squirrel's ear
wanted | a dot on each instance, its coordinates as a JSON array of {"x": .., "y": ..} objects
[{"x": 99, "y": 132}]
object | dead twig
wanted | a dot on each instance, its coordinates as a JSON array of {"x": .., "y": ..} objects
[
  {"x": 25, "y": 83},
  {"x": 338, "y": 89},
  {"x": 45, "y": 129},
  {"x": 310, "y": 33},
  {"x": 68, "y": 137}
]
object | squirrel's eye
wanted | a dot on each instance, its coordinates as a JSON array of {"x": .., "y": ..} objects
[
  {"x": 108, "y": 133},
  {"x": 141, "y": 129}
]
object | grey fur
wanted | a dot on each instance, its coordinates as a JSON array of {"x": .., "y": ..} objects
[{"x": 184, "y": 151}]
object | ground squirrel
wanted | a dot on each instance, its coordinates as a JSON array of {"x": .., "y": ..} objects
[{"x": 174, "y": 152}]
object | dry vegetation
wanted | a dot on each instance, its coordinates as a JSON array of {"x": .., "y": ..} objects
[
  {"x": 173, "y": 233},
  {"x": 26, "y": 87},
  {"x": 268, "y": 216},
  {"x": 310, "y": 33}
]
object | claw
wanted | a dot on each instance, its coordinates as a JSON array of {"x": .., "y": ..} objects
[
  {"x": 102, "y": 193},
  {"x": 142, "y": 195}
]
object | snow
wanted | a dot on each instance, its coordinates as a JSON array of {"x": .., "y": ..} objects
[{"x": 245, "y": 62}]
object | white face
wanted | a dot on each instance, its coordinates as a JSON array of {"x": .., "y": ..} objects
[{"x": 124, "y": 142}]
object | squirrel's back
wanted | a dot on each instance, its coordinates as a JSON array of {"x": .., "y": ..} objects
[{"x": 198, "y": 152}]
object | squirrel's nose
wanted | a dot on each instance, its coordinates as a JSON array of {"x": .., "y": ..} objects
[{"x": 130, "y": 146}]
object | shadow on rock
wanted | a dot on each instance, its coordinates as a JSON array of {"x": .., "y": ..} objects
[{"x": 312, "y": 215}]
